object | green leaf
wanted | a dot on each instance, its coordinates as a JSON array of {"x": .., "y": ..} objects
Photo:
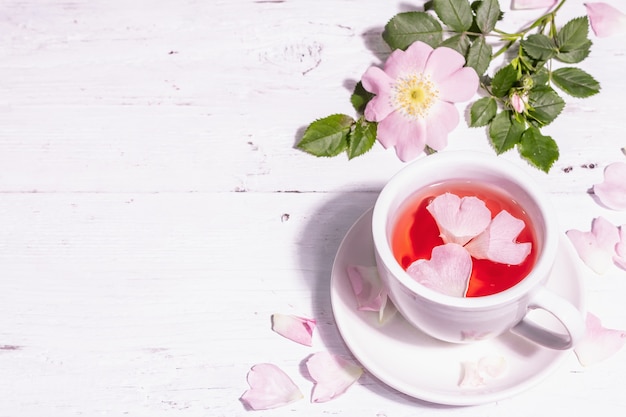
[
  {"x": 505, "y": 131},
  {"x": 483, "y": 111},
  {"x": 487, "y": 15},
  {"x": 327, "y": 136},
  {"x": 573, "y": 35},
  {"x": 405, "y": 28},
  {"x": 539, "y": 46},
  {"x": 362, "y": 138},
  {"x": 503, "y": 81},
  {"x": 545, "y": 104},
  {"x": 575, "y": 55},
  {"x": 575, "y": 82},
  {"x": 456, "y": 14},
  {"x": 541, "y": 151},
  {"x": 459, "y": 43},
  {"x": 360, "y": 97},
  {"x": 541, "y": 77},
  {"x": 479, "y": 55}
]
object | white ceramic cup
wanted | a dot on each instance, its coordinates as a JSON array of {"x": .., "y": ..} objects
[{"x": 465, "y": 319}]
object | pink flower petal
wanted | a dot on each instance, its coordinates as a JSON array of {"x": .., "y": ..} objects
[
  {"x": 620, "y": 248},
  {"x": 297, "y": 329},
  {"x": 477, "y": 374},
  {"x": 461, "y": 86},
  {"x": 497, "y": 243},
  {"x": 599, "y": 343},
  {"x": 378, "y": 82},
  {"x": 532, "y": 4},
  {"x": 448, "y": 270},
  {"x": 596, "y": 248},
  {"x": 443, "y": 63},
  {"x": 459, "y": 219},
  {"x": 369, "y": 291},
  {"x": 612, "y": 191},
  {"x": 605, "y": 19},
  {"x": 332, "y": 374},
  {"x": 270, "y": 387},
  {"x": 401, "y": 63},
  {"x": 444, "y": 118},
  {"x": 409, "y": 137}
]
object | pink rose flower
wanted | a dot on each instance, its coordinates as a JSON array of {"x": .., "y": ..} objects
[{"x": 414, "y": 98}]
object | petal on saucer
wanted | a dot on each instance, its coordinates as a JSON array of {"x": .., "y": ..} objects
[
  {"x": 332, "y": 374},
  {"x": 459, "y": 219},
  {"x": 612, "y": 191},
  {"x": 270, "y": 387},
  {"x": 369, "y": 291},
  {"x": 477, "y": 374},
  {"x": 498, "y": 244},
  {"x": 297, "y": 329},
  {"x": 599, "y": 343},
  {"x": 597, "y": 247},
  {"x": 448, "y": 270}
]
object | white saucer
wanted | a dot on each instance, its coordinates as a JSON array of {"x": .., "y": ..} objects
[{"x": 417, "y": 365}]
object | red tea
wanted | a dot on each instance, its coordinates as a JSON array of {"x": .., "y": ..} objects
[{"x": 415, "y": 234}]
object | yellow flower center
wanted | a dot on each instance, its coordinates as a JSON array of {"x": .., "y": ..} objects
[{"x": 414, "y": 95}]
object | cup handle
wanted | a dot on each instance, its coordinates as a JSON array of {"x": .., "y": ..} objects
[{"x": 569, "y": 316}]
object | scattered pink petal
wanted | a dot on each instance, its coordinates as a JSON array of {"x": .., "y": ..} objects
[
  {"x": 477, "y": 374},
  {"x": 532, "y": 4},
  {"x": 448, "y": 270},
  {"x": 605, "y": 19},
  {"x": 612, "y": 191},
  {"x": 498, "y": 244},
  {"x": 599, "y": 343},
  {"x": 620, "y": 248},
  {"x": 369, "y": 291},
  {"x": 298, "y": 329},
  {"x": 596, "y": 248},
  {"x": 459, "y": 219},
  {"x": 332, "y": 374},
  {"x": 270, "y": 387}
]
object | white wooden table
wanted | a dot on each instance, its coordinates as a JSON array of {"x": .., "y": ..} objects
[{"x": 154, "y": 213}]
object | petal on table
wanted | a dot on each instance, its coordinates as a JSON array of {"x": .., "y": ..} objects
[
  {"x": 612, "y": 191},
  {"x": 605, "y": 19},
  {"x": 459, "y": 219},
  {"x": 270, "y": 387},
  {"x": 332, "y": 374},
  {"x": 498, "y": 244},
  {"x": 298, "y": 329},
  {"x": 597, "y": 247},
  {"x": 448, "y": 270},
  {"x": 599, "y": 343}
]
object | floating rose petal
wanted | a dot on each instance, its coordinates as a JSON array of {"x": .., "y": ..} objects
[
  {"x": 620, "y": 248},
  {"x": 596, "y": 248},
  {"x": 498, "y": 244},
  {"x": 369, "y": 291},
  {"x": 605, "y": 20},
  {"x": 599, "y": 343},
  {"x": 332, "y": 374},
  {"x": 476, "y": 374},
  {"x": 612, "y": 191},
  {"x": 298, "y": 329},
  {"x": 459, "y": 219},
  {"x": 448, "y": 270},
  {"x": 270, "y": 387},
  {"x": 531, "y": 4}
]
